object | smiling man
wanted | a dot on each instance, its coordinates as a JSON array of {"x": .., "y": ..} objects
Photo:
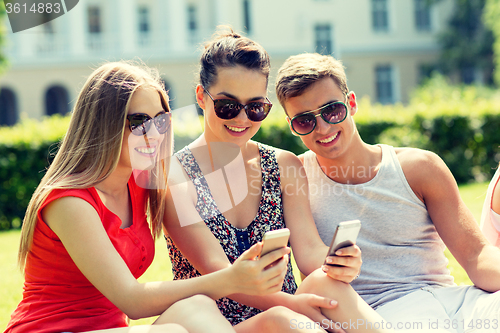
[{"x": 408, "y": 203}]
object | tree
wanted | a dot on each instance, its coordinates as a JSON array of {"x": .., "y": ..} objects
[
  {"x": 492, "y": 20},
  {"x": 467, "y": 44}
]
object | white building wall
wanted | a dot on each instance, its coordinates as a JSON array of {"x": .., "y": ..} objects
[{"x": 283, "y": 27}]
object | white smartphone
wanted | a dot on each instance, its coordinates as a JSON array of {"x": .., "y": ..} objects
[
  {"x": 274, "y": 240},
  {"x": 345, "y": 235}
]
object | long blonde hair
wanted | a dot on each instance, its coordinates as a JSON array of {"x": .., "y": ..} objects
[{"x": 90, "y": 150}]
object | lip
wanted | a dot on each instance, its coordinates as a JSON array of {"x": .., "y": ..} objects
[
  {"x": 331, "y": 143},
  {"x": 234, "y": 133}
]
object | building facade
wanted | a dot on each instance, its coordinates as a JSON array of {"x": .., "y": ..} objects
[{"x": 385, "y": 45}]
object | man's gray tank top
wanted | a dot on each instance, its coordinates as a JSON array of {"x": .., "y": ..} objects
[{"x": 401, "y": 249}]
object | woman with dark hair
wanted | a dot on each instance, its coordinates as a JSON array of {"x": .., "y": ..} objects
[
  {"x": 226, "y": 191},
  {"x": 86, "y": 237}
]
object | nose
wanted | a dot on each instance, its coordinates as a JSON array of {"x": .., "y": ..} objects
[
  {"x": 322, "y": 126},
  {"x": 153, "y": 134},
  {"x": 242, "y": 115}
]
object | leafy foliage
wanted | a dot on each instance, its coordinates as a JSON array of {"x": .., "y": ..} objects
[
  {"x": 492, "y": 20},
  {"x": 467, "y": 42}
]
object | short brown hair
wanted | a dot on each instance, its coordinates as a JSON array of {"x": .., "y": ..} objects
[
  {"x": 229, "y": 49},
  {"x": 300, "y": 71}
]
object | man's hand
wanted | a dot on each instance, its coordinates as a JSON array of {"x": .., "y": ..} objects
[{"x": 349, "y": 261}]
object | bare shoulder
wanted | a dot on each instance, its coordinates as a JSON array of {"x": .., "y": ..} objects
[
  {"x": 176, "y": 172},
  {"x": 302, "y": 157},
  {"x": 287, "y": 158},
  {"x": 414, "y": 160},
  {"x": 424, "y": 170},
  {"x": 290, "y": 166}
]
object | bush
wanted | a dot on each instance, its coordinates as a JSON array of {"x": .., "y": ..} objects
[{"x": 25, "y": 153}]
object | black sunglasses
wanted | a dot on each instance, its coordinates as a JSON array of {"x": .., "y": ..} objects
[
  {"x": 332, "y": 113},
  {"x": 229, "y": 109},
  {"x": 140, "y": 123}
]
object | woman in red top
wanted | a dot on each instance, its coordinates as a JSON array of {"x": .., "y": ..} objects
[{"x": 86, "y": 238}]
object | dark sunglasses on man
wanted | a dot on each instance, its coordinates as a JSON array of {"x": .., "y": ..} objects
[
  {"x": 229, "y": 109},
  {"x": 140, "y": 123},
  {"x": 332, "y": 113}
]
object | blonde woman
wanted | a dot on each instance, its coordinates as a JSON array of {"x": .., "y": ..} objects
[{"x": 86, "y": 237}]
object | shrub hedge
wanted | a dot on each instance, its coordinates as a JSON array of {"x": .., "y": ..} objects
[{"x": 460, "y": 124}]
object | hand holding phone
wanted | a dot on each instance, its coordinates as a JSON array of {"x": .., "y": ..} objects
[
  {"x": 274, "y": 240},
  {"x": 345, "y": 235}
]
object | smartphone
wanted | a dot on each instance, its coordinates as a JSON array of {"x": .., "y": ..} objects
[
  {"x": 345, "y": 235},
  {"x": 274, "y": 240}
]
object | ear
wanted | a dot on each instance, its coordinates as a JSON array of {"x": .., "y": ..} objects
[
  {"x": 352, "y": 102},
  {"x": 200, "y": 96},
  {"x": 290, "y": 126}
]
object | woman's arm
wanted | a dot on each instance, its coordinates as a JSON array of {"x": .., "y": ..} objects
[
  {"x": 80, "y": 229},
  {"x": 202, "y": 249},
  {"x": 204, "y": 252}
]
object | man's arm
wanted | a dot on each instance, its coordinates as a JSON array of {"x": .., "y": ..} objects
[
  {"x": 308, "y": 249},
  {"x": 433, "y": 183}
]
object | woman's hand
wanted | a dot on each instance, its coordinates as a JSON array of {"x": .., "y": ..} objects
[
  {"x": 252, "y": 275},
  {"x": 310, "y": 305},
  {"x": 349, "y": 259}
]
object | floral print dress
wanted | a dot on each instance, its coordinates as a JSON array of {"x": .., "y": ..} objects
[{"x": 233, "y": 240}]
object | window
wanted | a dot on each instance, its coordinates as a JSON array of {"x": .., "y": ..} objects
[
  {"x": 246, "y": 16},
  {"x": 192, "y": 24},
  {"x": 323, "y": 35},
  {"x": 95, "y": 41},
  {"x": 144, "y": 28},
  {"x": 380, "y": 15},
  {"x": 94, "y": 20},
  {"x": 143, "y": 19},
  {"x": 384, "y": 84},
  {"x": 8, "y": 107},
  {"x": 56, "y": 101},
  {"x": 422, "y": 15}
]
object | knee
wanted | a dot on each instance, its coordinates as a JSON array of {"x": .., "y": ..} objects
[
  {"x": 170, "y": 328},
  {"x": 321, "y": 284},
  {"x": 277, "y": 318},
  {"x": 195, "y": 303}
]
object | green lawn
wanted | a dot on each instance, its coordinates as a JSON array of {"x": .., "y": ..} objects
[{"x": 11, "y": 280}]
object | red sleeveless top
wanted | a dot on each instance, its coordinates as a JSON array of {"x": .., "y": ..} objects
[{"x": 57, "y": 297}]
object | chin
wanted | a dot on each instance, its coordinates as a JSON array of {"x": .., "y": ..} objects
[{"x": 143, "y": 165}]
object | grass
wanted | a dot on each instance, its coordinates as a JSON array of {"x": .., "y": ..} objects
[{"x": 11, "y": 280}]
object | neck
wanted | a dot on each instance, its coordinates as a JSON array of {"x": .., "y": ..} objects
[
  {"x": 116, "y": 183},
  {"x": 359, "y": 164},
  {"x": 222, "y": 151}
]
